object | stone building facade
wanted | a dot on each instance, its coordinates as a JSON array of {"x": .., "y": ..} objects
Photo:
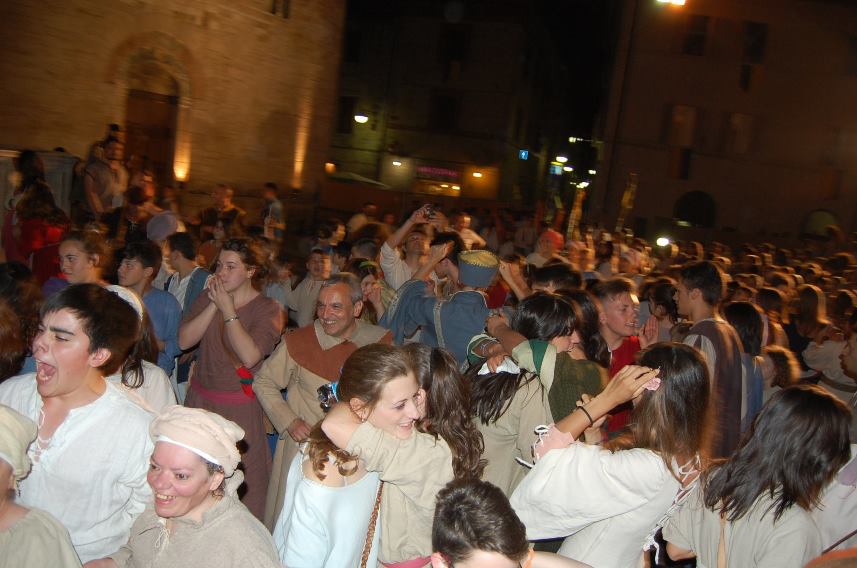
[
  {"x": 734, "y": 117},
  {"x": 234, "y": 91}
]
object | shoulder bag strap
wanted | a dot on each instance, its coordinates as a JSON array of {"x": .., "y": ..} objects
[
  {"x": 370, "y": 532},
  {"x": 438, "y": 324}
]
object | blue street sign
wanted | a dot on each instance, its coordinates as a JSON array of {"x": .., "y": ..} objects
[{"x": 523, "y": 154}]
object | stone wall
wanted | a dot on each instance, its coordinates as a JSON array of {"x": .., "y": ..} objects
[{"x": 256, "y": 91}]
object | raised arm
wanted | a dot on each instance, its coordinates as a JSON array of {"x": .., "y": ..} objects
[
  {"x": 626, "y": 385},
  {"x": 340, "y": 424},
  {"x": 511, "y": 274},
  {"x": 421, "y": 215},
  {"x": 436, "y": 254},
  {"x": 192, "y": 330},
  {"x": 498, "y": 326}
]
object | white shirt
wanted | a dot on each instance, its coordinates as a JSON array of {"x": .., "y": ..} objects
[
  {"x": 607, "y": 501},
  {"x": 469, "y": 237},
  {"x": 178, "y": 286},
  {"x": 322, "y": 526},
  {"x": 835, "y": 517},
  {"x": 162, "y": 276},
  {"x": 92, "y": 475},
  {"x": 302, "y": 300},
  {"x": 396, "y": 270},
  {"x": 155, "y": 394}
]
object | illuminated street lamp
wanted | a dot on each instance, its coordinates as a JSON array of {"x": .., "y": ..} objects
[
  {"x": 561, "y": 159},
  {"x": 583, "y": 184},
  {"x": 397, "y": 163},
  {"x": 361, "y": 118},
  {"x": 567, "y": 169},
  {"x": 592, "y": 172},
  {"x": 477, "y": 174}
]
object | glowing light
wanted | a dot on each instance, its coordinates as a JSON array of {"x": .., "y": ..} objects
[
  {"x": 592, "y": 172},
  {"x": 477, "y": 174},
  {"x": 673, "y": 2},
  {"x": 456, "y": 187},
  {"x": 397, "y": 163},
  {"x": 361, "y": 118},
  {"x": 181, "y": 158},
  {"x": 329, "y": 167},
  {"x": 662, "y": 241},
  {"x": 561, "y": 159},
  {"x": 583, "y": 184},
  {"x": 444, "y": 185},
  {"x": 302, "y": 130},
  {"x": 567, "y": 169},
  {"x": 180, "y": 170}
]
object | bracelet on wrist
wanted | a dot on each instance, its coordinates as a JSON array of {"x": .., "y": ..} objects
[
  {"x": 233, "y": 318},
  {"x": 589, "y": 416}
]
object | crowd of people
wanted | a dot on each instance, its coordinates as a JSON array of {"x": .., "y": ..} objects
[{"x": 459, "y": 389}]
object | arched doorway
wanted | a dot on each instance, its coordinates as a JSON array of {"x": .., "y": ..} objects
[
  {"x": 151, "y": 116},
  {"x": 159, "y": 64},
  {"x": 696, "y": 208}
]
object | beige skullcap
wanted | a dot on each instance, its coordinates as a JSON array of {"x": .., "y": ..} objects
[
  {"x": 205, "y": 433},
  {"x": 17, "y": 432}
]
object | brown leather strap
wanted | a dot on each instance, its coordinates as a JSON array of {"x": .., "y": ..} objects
[{"x": 370, "y": 533}]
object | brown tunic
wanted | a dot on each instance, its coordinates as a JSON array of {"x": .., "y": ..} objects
[
  {"x": 215, "y": 371},
  {"x": 307, "y": 359}
]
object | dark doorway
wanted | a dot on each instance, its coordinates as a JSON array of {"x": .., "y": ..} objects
[
  {"x": 696, "y": 208},
  {"x": 150, "y": 123}
]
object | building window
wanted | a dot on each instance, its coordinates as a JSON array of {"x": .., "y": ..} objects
[
  {"x": 282, "y": 7},
  {"x": 695, "y": 33},
  {"x": 453, "y": 49},
  {"x": 682, "y": 126},
  {"x": 755, "y": 41},
  {"x": 345, "y": 118},
  {"x": 680, "y": 159},
  {"x": 745, "y": 78},
  {"x": 738, "y": 133},
  {"x": 352, "y": 46},
  {"x": 681, "y": 132},
  {"x": 443, "y": 113}
]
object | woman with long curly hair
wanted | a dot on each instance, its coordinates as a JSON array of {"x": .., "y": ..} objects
[{"x": 430, "y": 439}]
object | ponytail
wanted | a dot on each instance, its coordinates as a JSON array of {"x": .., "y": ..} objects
[{"x": 144, "y": 349}]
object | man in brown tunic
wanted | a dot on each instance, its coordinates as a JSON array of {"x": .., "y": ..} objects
[{"x": 305, "y": 360}]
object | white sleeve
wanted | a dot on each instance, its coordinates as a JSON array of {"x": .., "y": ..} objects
[
  {"x": 395, "y": 270},
  {"x": 573, "y": 487},
  {"x": 704, "y": 345},
  {"x": 157, "y": 390},
  {"x": 825, "y": 357}
]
